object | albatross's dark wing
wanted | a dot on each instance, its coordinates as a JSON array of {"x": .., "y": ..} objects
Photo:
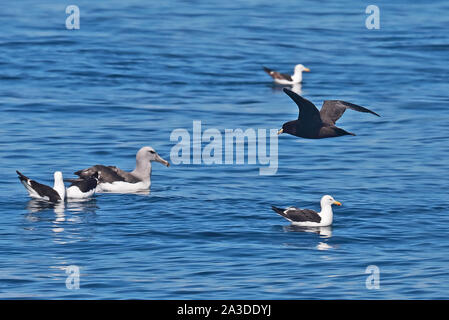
[
  {"x": 277, "y": 75},
  {"x": 308, "y": 113},
  {"x": 298, "y": 215},
  {"x": 107, "y": 174},
  {"x": 332, "y": 110},
  {"x": 127, "y": 176}
]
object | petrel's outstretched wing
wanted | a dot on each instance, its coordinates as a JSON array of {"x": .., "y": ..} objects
[
  {"x": 308, "y": 113},
  {"x": 332, "y": 110}
]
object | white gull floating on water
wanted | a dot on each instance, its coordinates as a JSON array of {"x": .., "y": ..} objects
[
  {"x": 308, "y": 217},
  {"x": 37, "y": 190},
  {"x": 80, "y": 189},
  {"x": 282, "y": 78},
  {"x": 113, "y": 179}
]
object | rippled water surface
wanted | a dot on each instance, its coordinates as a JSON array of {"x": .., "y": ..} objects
[{"x": 137, "y": 70}]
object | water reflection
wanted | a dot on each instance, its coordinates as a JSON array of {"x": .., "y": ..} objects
[
  {"x": 139, "y": 192},
  {"x": 35, "y": 206},
  {"x": 83, "y": 205},
  {"x": 325, "y": 233},
  {"x": 66, "y": 220},
  {"x": 296, "y": 88}
]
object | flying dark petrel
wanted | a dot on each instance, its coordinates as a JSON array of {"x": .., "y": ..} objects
[
  {"x": 308, "y": 217},
  {"x": 113, "y": 179},
  {"x": 314, "y": 124},
  {"x": 282, "y": 78}
]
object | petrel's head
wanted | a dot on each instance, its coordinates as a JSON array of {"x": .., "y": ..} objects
[
  {"x": 149, "y": 154},
  {"x": 289, "y": 127}
]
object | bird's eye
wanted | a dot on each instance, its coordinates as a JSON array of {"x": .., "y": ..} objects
[{"x": 151, "y": 151}]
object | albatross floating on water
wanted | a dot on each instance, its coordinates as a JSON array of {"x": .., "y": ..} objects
[
  {"x": 113, "y": 179},
  {"x": 314, "y": 124},
  {"x": 282, "y": 78},
  {"x": 308, "y": 217}
]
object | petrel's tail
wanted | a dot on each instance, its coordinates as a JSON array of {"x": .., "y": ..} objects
[{"x": 342, "y": 132}]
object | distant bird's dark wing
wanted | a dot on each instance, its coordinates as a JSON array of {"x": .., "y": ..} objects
[
  {"x": 277, "y": 75},
  {"x": 108, "y": 174},
  {"x": 308, "y": 113},
  {"x": 332, "y": 110},
  {"x": 298, "y": 215},
  {"x": 41, "y": 189},
  {"x": 127, "y": 176}
]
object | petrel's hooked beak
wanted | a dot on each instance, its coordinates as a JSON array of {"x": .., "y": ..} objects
[
  {"x": 280, "y": 131},
  {"x": 306, "y": 69},
  {"x": 164, "y": 162},
  {"x": 337, "y": 203}
]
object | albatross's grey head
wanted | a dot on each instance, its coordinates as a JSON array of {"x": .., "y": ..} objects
[
  {"x": 329, "y": 201},
  {"x": 147, "y": 154}
]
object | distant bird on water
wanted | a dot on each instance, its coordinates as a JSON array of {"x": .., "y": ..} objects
[
  {"x": 79, "y": 189},
  {"x": 282, "y": 78},
  {"x": 113, "y": 179},
  {"x": 314, "y": 124},
  {"x": 37, "y": 190},
  {"x": 308, "y": 217}
]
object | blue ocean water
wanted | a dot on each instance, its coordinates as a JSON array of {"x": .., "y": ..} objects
[{"x": 137, "y": 70}]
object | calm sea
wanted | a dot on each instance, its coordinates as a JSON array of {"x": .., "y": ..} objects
[{"x": 137, "y": 70}]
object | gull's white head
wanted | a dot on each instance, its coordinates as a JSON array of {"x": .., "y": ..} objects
[
  {"x": 328, "y": 201},
  {"x": 299, "y": 68},
  {"x": 149, "y": 154},
  {"x": 297, "y": 75}
]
